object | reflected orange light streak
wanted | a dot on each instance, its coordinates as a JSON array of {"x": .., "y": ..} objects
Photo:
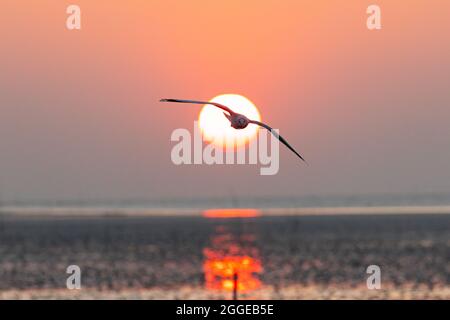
[
  {"x": 231, "y": 253},
  {"x": 219, "y": 272},
  {"x": 231, "y": 213}
]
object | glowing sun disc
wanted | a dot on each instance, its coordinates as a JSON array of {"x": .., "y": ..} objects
[{"x": 216, "y": 128}]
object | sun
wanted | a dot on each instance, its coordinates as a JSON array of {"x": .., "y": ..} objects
[{"x": 216, "y": 128}]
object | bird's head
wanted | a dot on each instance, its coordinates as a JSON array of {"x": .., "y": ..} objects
[
  {"x": 239, "y": 121},
  {"x": 242, "y": 122}
]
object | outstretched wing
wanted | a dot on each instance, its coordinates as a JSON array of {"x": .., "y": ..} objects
[
  {"x": 277, "y": 136},
  {"x": 221, "y": 106}
]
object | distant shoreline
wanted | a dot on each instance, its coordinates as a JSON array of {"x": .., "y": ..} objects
[{"x": 198, "y": 212}]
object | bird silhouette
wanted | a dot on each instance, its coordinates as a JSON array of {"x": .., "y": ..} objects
[{"x": 238, "y": 121}]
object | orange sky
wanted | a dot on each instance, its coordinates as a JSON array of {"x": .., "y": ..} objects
[{"x": 79, "y": 117}]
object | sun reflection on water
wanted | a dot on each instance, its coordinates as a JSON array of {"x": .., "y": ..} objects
[
  {"x": 232, "y": 252},
  {"x": 231, "y": 213}
]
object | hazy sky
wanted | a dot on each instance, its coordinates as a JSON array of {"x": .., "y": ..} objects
[{"x": 80, "y": 118}]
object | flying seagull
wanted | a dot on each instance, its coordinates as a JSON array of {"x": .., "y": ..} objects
[{"x": 237, "y": 120}]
